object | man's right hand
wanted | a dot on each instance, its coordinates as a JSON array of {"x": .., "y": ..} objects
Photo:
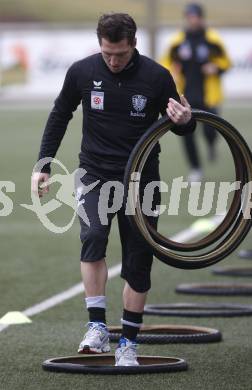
[{"x": 39, "y": 183}]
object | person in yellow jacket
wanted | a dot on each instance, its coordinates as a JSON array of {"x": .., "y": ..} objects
[{"x": 197, "y": 58}]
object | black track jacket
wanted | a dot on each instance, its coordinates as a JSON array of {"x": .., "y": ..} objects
[{"x": 117, "y": 110}]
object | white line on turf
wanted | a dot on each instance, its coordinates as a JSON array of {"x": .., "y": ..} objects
[{"x": 183, "y": 236}]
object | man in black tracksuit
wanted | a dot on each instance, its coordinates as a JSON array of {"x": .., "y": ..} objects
[{"x": 122, "y": 94}]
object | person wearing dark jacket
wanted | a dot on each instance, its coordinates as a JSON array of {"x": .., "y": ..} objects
[
  {"x": 197, "y": 59},
  {"x": 122, "y": 94}
]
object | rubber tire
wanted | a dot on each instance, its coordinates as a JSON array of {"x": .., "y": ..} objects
[
  {"x": 69, "y": 364},
  {"x": 171, "y": 334},
  {"x": 197, "y": 310},
  {"x": 235, "y": 228},
  {"x": 233, "y": 271},
  {"x": 215, "y": 289}
]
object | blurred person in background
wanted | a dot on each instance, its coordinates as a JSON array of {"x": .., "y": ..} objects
[
  {"x": 197, "y": 59},
  {"x": 122, "y": 94}
]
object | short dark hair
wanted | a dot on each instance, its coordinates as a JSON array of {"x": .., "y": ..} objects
[{"x": 115, "y": 27}]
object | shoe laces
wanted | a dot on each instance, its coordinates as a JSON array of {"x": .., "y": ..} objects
[
  {"x": 95, "y": 330},
  {"x": 129, "y": 350}
]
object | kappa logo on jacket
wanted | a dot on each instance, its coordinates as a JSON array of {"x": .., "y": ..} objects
[{"x": 139, "y": 103}]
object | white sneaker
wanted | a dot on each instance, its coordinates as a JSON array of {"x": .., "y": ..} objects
[
  {"x": 96, "y": 340},
  {"x": 125, "y": 354},
  {"x": 195, "y": 176}
]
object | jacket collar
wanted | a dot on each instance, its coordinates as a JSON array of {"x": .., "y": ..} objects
[{"x": 195, "y": 34}]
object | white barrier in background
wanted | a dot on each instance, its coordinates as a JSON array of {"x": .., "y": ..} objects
[{"x": 33, "y": 63}]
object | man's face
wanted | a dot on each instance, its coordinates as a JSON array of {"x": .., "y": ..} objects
[
  {"x": 117, "y": 55},
  {"x": 194, "y": 22}
]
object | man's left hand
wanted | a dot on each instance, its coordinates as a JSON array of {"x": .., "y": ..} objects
[
  {"x": 209, "y": 69},
  {"x": 180, "y": 113}
]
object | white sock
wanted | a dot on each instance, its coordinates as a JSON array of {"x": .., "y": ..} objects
[{"x": 98, "y": 301}]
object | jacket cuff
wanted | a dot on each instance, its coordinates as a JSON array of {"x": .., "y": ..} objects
[
  {"x": 185, "y": 129},
  {"x": 45, "y": 169}
]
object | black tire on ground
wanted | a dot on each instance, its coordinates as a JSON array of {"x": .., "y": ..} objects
[
  {"x": 171, "y": 334},
  {"x": 215, "y": 288},
  {"x": 233, "y": 271},
  {"x": 104, "y": 364},
  {"x": 198, "y": 310},
  {"x": 245, "y": 254}
]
